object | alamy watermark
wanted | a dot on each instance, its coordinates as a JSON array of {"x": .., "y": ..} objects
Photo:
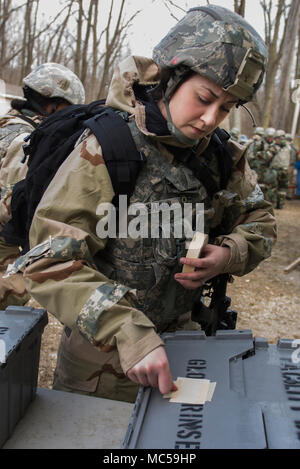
[{"x": 153, "y": 220}]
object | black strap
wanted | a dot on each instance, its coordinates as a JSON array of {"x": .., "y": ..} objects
[
  {"x": 202, "y": 171},
  {"x": 27, "y": 119},
  {"x": 224, "y": 155},
  {"x": 119, "y": 152}
]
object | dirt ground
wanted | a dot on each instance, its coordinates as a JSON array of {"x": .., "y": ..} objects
[{"x": 267, "y": 300}]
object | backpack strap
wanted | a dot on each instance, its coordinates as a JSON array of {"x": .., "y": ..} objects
[
  {"x": 224, "y": 155},
  {"x": 217, "y": 144},
  {"x": 27, "y": 119},
  {"x": 122, "y": 158}
]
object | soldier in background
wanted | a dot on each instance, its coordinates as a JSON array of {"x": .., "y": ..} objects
[
  {"x": 47, "y": 89},
  {"x": 291, "y": 170},
  {"x": 258, "y": 134},
  {"x": 243, "y": 140},
  {"x": 280, "y": 163},
  {"x": 235, "y": 133},
  {"x": 255, "y": 144},
  {"x": 262, "y": 155},
  {"x": 269, "y": 136}
]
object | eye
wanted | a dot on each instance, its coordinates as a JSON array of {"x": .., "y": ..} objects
[
  {"x": 225, "y": 109},
  {"x": 203, "y": 100}
]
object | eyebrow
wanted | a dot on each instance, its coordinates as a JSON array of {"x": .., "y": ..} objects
[{"x": 217, "y": 97}]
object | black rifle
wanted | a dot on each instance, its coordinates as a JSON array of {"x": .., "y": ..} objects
[{"x": 217, "y": 315}]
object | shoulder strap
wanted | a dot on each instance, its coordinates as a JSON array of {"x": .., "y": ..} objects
[
  {"x": 121, "y": 156},
  {"x": 27, "y": 119},
  {"x": 220, "y": 138},
  {"x": 217, "y": 144}
]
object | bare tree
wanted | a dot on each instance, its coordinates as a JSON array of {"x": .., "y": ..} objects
[
  {"x": 89, "y": 44},
  {"x": 114, "y": 38},
  {"x": 235, "y": 115},
  {"x": 77, "y": 60},
  {"x": 7, "y": 11},
  {"x": 239, "y": 7},
  {"x": 282, "y": 105},
  {"x": 274, "y": 45},
  {"x": 20, "y": 47}
]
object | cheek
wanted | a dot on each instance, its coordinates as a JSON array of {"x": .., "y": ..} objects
[{"x": 221, "y": 117}]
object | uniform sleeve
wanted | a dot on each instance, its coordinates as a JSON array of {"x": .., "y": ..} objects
[
  {"x": 59, "y": 270},
  {"x": 248, "y": 222},
  {"x": 9, "y": 132},
  {"x": 12, "y": 170}
]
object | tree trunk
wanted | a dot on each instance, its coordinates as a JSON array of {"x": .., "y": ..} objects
[
  {"x": 77, "y": 60},
  {"x": 283, "y": 97},
  {"x": 274, "y": 55},
  {"x": 239, "y": 7}
]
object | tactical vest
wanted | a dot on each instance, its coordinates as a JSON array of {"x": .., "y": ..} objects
[{"x": 147, "y": 265}]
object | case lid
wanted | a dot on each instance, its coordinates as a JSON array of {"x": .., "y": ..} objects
[
  {"x": 15, "y": 324},
  {"x": 256, "y": 403}
]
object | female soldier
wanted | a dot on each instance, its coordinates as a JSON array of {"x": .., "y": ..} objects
[{"x": 209, "y": 62}]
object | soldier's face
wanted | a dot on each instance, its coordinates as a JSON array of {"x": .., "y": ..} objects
[{"x": 198, "y": 106}]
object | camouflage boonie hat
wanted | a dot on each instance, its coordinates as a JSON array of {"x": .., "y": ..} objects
[
  {"x": 218, "y": 44},
  {"x": 54, "y": 80}
]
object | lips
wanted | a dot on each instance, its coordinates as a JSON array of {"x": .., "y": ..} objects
[{"x": 197, "y": 131}]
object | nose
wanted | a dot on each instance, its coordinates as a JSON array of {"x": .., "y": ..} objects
[{"x": 210, "y": 116}]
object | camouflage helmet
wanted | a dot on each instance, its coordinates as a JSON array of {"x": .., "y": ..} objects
[
  {"x": 54, "y": 80},
  {"x": 259, "y": 131},
  {"x": 243, "y": 138},
  {"x": 270, "y": 132},
  {"x": 218, "y": 44},
  {"x": 279, "y": 133},
  {"x": 235, "y": 132}
]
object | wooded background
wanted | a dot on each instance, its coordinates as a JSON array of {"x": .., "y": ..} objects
[{"x": 81, "y": 37}]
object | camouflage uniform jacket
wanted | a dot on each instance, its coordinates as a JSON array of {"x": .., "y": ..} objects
[
  {"x": 109, "y": 304},
  {"x": 13, "y": 130},
  {"x": 281, "y": 159}
]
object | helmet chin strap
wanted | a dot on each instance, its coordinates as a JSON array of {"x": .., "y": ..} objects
[
  {"x": 176, "y": 132},
  {"x": 250, "y": 114}
]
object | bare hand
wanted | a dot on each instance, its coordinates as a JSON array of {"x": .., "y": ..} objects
[
  {"x": 153, "y": 370},
  {"x": 214, "y": 259}
]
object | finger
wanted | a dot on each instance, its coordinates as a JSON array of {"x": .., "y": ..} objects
[
  {"x": 132, "y": 376},
  {"x": 143, "y": 379},
  {"x": 188, "y": 285},
  {"x": 153, "y": 380},
  {"x": 192, "y": 276},
  {"x": 174, "y": 387},
  {"x": 165, "y": 381},
  {"x": 202, "y": 263}
]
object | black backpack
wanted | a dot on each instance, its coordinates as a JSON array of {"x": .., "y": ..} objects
[
  {"x": 54, "y": 139},
  {"x": 50, "y": 144}
]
